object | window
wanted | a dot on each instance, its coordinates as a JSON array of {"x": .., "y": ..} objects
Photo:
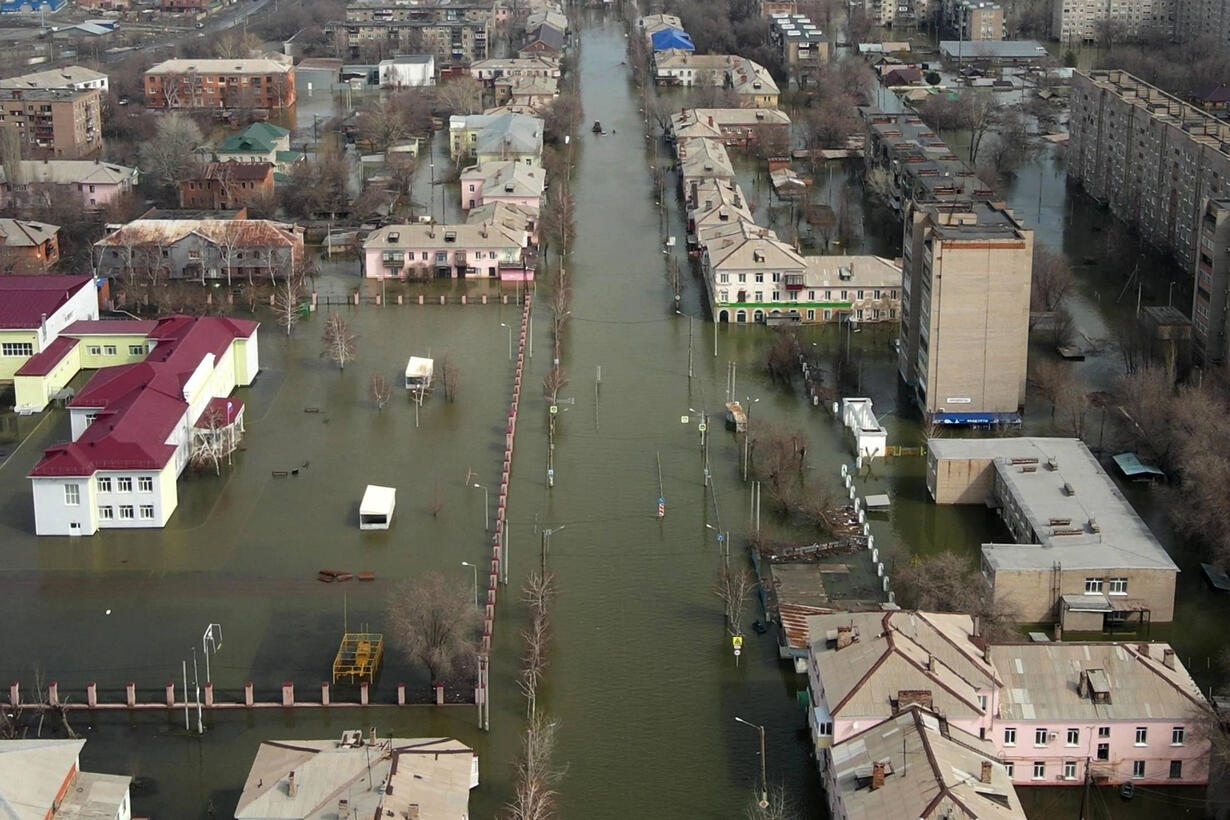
[
  {"x": 1074, "y": 737},
  {"x": 1069, "y": 770},
  {"x": 982, "y": 702},
  {"x": 136, "y": 350},
  {"x": 1138, "y": 768},
  {"x": 1177, "y": 735},
  {"x": 1008, "y": 767},
  {"x": 124, "y": 485},
  {"x": 72, "y": 494},
  {"x": 1039, "y": 769},
  {"x": 109, "y": 350},
  {"x": 1176, "y": 769},
  {"x": 742, "y": 278},
  {"x": 760, "y": 277},
  {"x": 1103, "y": 731},
  {"x": 145, "y": 484},
  {"x": 17, "y": 348},
  {"x": 104, "y": 485},
  {"x": 760, "y": 296},
  {"x": 106, "y": 513},
  {"x": 1093, "y": 586},
  {"x": 147, "y": 512},
  {"x": 1040, "y": 737},
  {"x": 94, "y": 350},
  {"x": 1118, "y": 586},
  {"x": 1142, "y": 735},
  {"x": 724, "y": 278},
  {"x": 1010, "y": 736}
]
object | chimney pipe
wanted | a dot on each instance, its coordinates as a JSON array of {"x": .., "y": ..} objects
[
  {"x": 877, "y": 775},
  {"x": 985, "y": 777},
  {"x": 1168, "y": 657},
  {"x": 371, "y": 734},
  {"x": 291, "y": 787}
]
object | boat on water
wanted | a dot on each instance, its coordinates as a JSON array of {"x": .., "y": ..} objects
[{"x": 597, "y": 127}]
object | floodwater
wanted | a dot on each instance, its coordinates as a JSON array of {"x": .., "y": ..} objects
[{"x": 642, "y": 680}]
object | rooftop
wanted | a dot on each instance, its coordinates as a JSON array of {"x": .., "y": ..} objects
[
  {"x": 851, "y": 272},
  {"x": 867, "y": 660},
  {"x": 1074, "y": 508},
  {"x": 94, "y": 797},
  {"x": 64, "y": 77},
  {"x": 463, "y": 236},
  {"x": 507, "y": 177},
  {"x": 977, "y": 222},
  {"x": 704, "y": 157},
  {"x": 1043, "y": 681},
  {"x": 26, "y": 300},
  {"x": 994, "y": 49},
  {"x": 45, "y": 361},
  {"x": 71, "y": 172},
  {"x": 259, "y": 65},
  {"x": 927, "y": 770},
  {"x": 31, "y": 774},
  {"x": 1200, "y": 126},
  {"x": 384, "y": 778},
  {"x": 46, "y": 94},
  {"x": 23, "y": 233},
  {"x": 245, "y": 232}
]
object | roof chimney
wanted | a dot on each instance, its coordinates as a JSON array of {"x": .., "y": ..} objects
[
  {"x": 291, "y": 787},
  {"x": 711, "y": 119},
  {"x": 985, "y": 777},
  {"x": 1168, "y": 657},
  {"x": 877, "y": 775},
  {"x": 371, "y": 734},
  {"x": 343, "y": 808},
  {"x": 845, "y": 636},
  {"x": 930, "y": 662}
]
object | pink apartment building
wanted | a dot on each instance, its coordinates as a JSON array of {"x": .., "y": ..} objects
[
  {"x": 472, "y": 250},
  {"x": 1123, "y": 711},
  {"x": 509, "y": 182},
  {"x": 96, "y": 183}
]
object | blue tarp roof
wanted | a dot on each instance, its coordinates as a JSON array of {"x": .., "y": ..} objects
[
  {"x": 672, "y": 38},
  {"x": 30, "y": 5},
  {"x": 974, "y": 419},
  {"x": 1132, "y": 466}
]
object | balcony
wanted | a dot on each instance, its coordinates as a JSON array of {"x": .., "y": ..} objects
[{"x": 793, "y": 281}]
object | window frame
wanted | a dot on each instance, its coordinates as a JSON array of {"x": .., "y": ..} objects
[
  {"x": 1039, "y": 772},
  {"x": 1041, "y": 736},
  {"x": 1142, "y": 736},
  {"x": 72, "y": 494},
  {"x": 1009, "y": 735}
]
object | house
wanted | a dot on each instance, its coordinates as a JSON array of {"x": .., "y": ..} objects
[
  {"x": 56, "y": 123},
  {"x": 650, "y": 23},
  {"x": 98, "y": 183},
  {"x": 495, "y": 137},
  {"x": 27, "y": 246},
  {"x": 73, "y": 77},
  {"x": 544, "y": 41},
  {"x": 679, "y": 66},
  {"x": 901, "y": 76},
  {"x": 136, "y": 426},
  {"x": 715, "y": 201},
  {"x": 529, "y": 93},
  {"x": 259, "y": 142},
  {"x": 829, "y": 289},
  {"x": 916, "y": 765},
  {"x": 752, "y": 82},
  {"x": 488, "y": 71},
  {"x": 265, "y": 82},
  {"x": 1082, "y": 557},
  {"x": 741, "y": 127},
  {"x": 511, "y": 182},
  {"x": 700, "y": 160},
  {"x": 42, "y": 780},
  {"x": 34, "y": 310},
  {"x": 671, "y": 38},
  {"x": 411, "y": 71},
  {"x": 746, "y": 263},
  {"x": 515, "y": 218},
  {"x": 227, "y": 185},
  {"x": 200, "y": 249},
  {"x": 427, "y": 778},
  {"x": 1212, "y": 97},
  {"x": 488, "y": 250}
]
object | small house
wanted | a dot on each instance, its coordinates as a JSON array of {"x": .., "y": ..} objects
[
  {"x": 376, "y": 509},
  {"x": 418, "y": 373}
]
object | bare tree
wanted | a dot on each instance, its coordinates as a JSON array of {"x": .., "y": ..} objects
[
  {"x": 947, "y": 582},
  {"x": 537, "y": 594},
  {"x": 434, "y": 622},
  {"x": 213, "y": 439},
  {"x": 535, "y": 797},
  {"x": 381, "y": 390},
  {"x": 287, "y": 298},
  {"x": 1051, "y": 279},
  {"x": 339, "y": 341},
  {"x": 780, "y": 806},
  {"x": 169, "y": 157},
  {"x": 460, "y": 95},
  {"x": 450, "y": 377},
  {"x": 735, "y": 587}
]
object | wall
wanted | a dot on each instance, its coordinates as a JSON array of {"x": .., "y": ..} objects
[
  {"x": 53, "y": 517},
  {"x": 34, "y": 392},
  {"x": 1028, "y": 593},
  {"x": 959, "y": 480},
  {"x": 123, "y": 343}
]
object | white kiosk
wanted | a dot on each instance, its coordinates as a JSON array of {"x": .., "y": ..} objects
[{"x": 376, "y": 509}]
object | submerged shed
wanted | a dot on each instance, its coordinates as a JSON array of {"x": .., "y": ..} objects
[{"x": 376, "y": 509}]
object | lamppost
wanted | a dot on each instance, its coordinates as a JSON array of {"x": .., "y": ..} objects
[
  {"x": 1170, "y": 295},
  {"x": 747, "y": 432},
  {"x": 475, "y": 568},
  {"x": 680, "y": 313},
  {"x": 764, "y": 783},
  {"x": 486, "y": 508},
  {"x": 546, "y": 545},
  {"x": 509, "y": 328},
  {"x": 212, "y": 639}
]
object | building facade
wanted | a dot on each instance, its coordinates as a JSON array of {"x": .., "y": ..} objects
[
  {"x": 54, "y": 123},
  {"x": 491, "y": 251},
  {"x": 1085, "y": 21},
  {"x": 240, "y": 83},
  {"x": 70, "y": 77},
  {"x": 974, "y": 19},
  {"x": 199, "y": 249},
  {"x": 1161, "y": 165},
  {"x": 97, "y": 183},
  {"x": 227, "y": 185},
  {"x": 452, "y": 33},
  {"x": 964, "y": 335},
  {"x": 34, "y": 310}
]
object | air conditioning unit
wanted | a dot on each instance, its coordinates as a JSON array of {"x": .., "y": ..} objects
[{"x": 1052, "y": 736}]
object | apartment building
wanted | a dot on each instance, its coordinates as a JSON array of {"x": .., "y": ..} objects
[
  {"x": 227, "y": 185},
  {"x": 454, "y": 33},
  {"x": 896, "y": 13},
  {"x": 467, "y": 250},
  {"x": 1194, "y": 19},
  {"x": 490, "y": 70},
  {"x": 964, "y": 337},
  {"x": 919, "y": 165},
  {"x": 803, "y": 47},
  {"x": 1161, "y": 165},
  {"x": 974, "y": 19},
  {"x": 1081, "y": 21},
  {"x": 1051, "y": 712},
  {"x": 239, "y": 83},
  {"x": 741, "y": 127},
  {"x": 69, "y": 77},
  {"x": 751, "y": 81},
  {"x": 1082, "y": 557},
  {"x": 55, "y": 123},
  {"x": 200, "y": 249},
  {"x": 97, "y": 183}
]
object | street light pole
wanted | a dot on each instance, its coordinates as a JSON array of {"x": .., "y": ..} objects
[
  {"x": 475, "y": 568},
  {"x": 211, "y": 638},
  {"x": 486, "y": 508},
  {"x": 764, "y": 783},
  {"x": 680, "y": 313},
  {"x": 508, "y": 327}
]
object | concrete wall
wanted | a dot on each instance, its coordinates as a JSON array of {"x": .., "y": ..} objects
[
  {"x": 960, "y": 480},
  {"x": 1029, "y": 597}
]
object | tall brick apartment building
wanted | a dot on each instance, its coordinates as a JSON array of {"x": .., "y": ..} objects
[
  {"x": 252, "y": 83},
  {"x": 54, "y": 123}
]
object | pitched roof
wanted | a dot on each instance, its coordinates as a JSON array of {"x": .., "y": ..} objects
[
  {"x": 516, "y": 133},
  {"x": 1212, "y": 93},
  {"x": 72, "y": 171},
  {"x": 513, "y": 217},
  {"x": 140, "y": 405},
  {"x": 891, "y": 654},
  {"x": 232, "y": 170},
  {"x": 671, "y": 37},
  {"x": 432, "y": 237},
  {"x": 1041, "y": 681},
  {"x": 548, "y": 35},
  {"x": 243, "y": 232},
  {"x": 23, "y": 233},
  {"x": 31, "y": 773},
  {"x": 434, "y": 773},
  {"x": 42, "y": 363},
  {"x": 65, "y": 77},
  {"x": 110, "y": 327},
  {"x": 930, "y": 771},
  {"x": 704, "y": 158},
  {"x": 754, "y": 249},
  {"x": 259, "y": 65},
  {"x": 750, "y": 77},
  {"x": 507, "y": 177},
  {"x": 25, "y": 300}
]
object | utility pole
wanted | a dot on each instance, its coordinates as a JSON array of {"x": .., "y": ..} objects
[{"x": 764, "y": 782}]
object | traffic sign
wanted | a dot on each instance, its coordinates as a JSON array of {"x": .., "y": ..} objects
[
  {"x": 736, "y": 640},
  {"x": 553, "y": 409},
  {"x": 702, "y": 427},
  {"x": 683, "y": 419}
]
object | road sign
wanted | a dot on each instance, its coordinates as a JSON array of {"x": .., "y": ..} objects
[
  {"x": 683, "y": 419},
  {"x": 721, "y": 537},
  {"x": 736, "y": 640},
  {"x": 553, "y": 409},
  {"x": 702, "y": 427}
]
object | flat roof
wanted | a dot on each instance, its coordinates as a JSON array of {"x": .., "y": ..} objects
[
  {"x": 378, "y": 500},
  {"x": 1075, "y": 509},
  {"x": 994, "y": 49}
]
